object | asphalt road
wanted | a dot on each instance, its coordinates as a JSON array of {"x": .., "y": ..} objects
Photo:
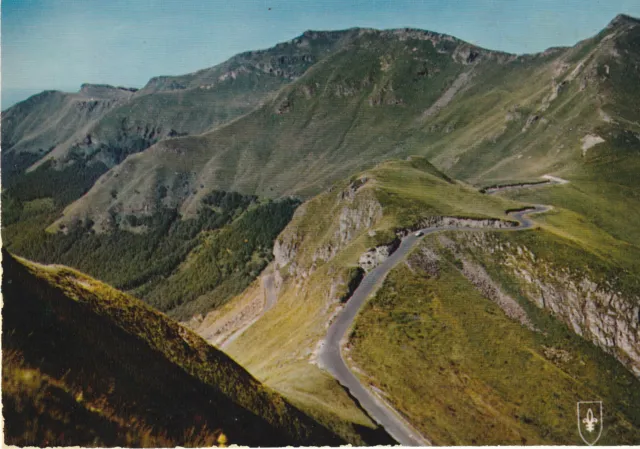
[
  {"x": 330, "y": 356},
  {"x": 269, "y": 291}
]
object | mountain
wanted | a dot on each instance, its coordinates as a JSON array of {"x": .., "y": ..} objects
[
  {"x": 33, "y": 128},
  {"x": 302, "y": 168},
  {"x": 103, "y": 124},
  {"x": 84, "y": 364},
  {"x": 327, "y": 104},
  {"x": 485, "y": 336},
  {"x": 482, "y": 116}
]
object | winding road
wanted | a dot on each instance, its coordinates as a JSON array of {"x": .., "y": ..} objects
[
  {"x": 330, "y": 356},
  {"x": 270, "y": 299}
]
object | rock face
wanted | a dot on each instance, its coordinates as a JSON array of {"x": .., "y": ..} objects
[
  {"x": 478, "y": 276},
  {"x": 458, "y": 222},
  {"x": 589, "y": 141},
  {"x": 285, "y": 251},
  {"x": 375, "y": 256},
  {"x": 592, "y": 311},
  {"x": 352, "y": 220},
  {"x": 356, "y": 212},
  {"x": 598, "y": 312}
]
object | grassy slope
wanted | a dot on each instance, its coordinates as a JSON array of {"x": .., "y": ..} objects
[
  {"x": 347, "y": 112},
  {"x": 599, "y": 208},
  {"x": 121, "y": 122},
  {"x": 515, "y": 119},
  {"x": 464, "y": 373},
  {"x": 278, "y": 348},
  {"x": 84, "y": 364},
  {"x": 46, "y": 119},
  {"x": 474, "y": 362}
]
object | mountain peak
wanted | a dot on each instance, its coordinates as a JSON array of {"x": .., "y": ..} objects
[
  {"x": 106, "y": 91},
  {"x": 623, "y": 19},
  {"x": 88, "y": 86}
]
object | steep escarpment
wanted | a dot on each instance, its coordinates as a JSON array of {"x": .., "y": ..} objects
[
  {"x": 309, "y": 241},
  {"x": 380, "y": 206},
  {"x": 595, "y": 299}
]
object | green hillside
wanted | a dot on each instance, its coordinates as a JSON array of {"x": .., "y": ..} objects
[
  {"x": 339, "y": 102},
  {"x": 438, "y": 340},
  {"x": 33, "y": 128},
  {"x": 103, "y": 124},
  {"x": 313, "y": 158},
  {"x": 86, "y": 365},
  {"x": 465, "y": 374},
  {"x": 316, "y": 261},
  {"x": 482, "y": 116}
]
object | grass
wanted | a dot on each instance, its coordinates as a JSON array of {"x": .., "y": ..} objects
[
  {"x": 82, "y": 360},
  {"x": 595, "y": 211},
  {"x": 464, "y": 373},
  {"x": 278, "y": 348},
  {"x": 348, "y": 112},
  {"x": 477, "y": 347},
  {"x": 361, "y": 106}
]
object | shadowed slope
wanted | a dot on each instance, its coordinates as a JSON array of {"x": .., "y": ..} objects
[{"x": 84, "y": 364}]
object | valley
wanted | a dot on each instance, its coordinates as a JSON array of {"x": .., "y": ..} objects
[{"x": 362, "y": 237}]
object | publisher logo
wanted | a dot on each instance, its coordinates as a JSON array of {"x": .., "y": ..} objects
[{"x": 590, "y": 421}]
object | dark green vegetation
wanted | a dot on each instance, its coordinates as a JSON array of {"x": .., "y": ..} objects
[
  {"x": 84, "y": 364},
  {"x": 182, "y": 267},
  {"x": 464, "y": 373},
  {"x": 62, "y": 186}
]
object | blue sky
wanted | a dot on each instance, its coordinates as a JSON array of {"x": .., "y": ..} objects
[{"x": 59, "y": 44}]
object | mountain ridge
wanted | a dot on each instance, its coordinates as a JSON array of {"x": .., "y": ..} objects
[{"x": 442, "y": 78}]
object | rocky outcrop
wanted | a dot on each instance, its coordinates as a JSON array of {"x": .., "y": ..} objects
[
  {"x": 596, "y": 310},
  {"x": 358, "y": 212},
  {"x": 593, "y": 311},
  {"x": 478, "y": 276},
  {"x": 458, "y": 84},
  {"x": 344, "y": 284},
  {"x": 590, "y": 141},
  {"x": 354, "y": 219},
  {"x": 285, "y": 251},
  {"x": 457, "y": 222},
  {"x": 375, "y": 256}
]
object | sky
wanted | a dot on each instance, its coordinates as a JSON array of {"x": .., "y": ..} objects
[{"x": 60, "y": 44}]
